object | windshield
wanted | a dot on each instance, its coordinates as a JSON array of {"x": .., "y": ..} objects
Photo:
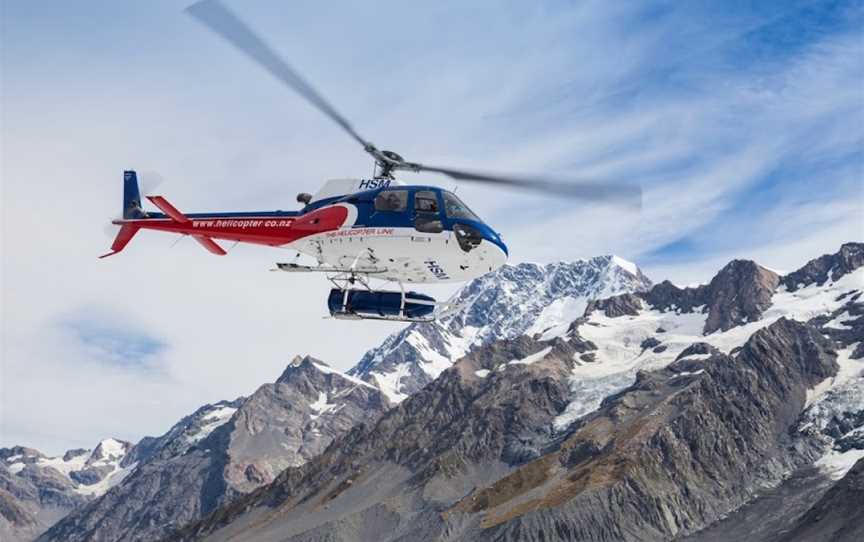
[{"x": 456, "y": 209}]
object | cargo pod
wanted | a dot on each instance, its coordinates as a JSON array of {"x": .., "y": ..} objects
[{"x": 350, "y": 304}]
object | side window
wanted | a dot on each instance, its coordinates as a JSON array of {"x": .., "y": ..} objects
[
  {"x": 392, "y": 200},
  {"x": 426, "y": 202},
  {"x": 426, "y": 212}
]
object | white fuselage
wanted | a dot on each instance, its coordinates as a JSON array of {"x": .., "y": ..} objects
[{"x": 403, "y": 254}]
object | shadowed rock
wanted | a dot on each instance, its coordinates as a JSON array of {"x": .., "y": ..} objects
[{"x": 837, "y": 517}]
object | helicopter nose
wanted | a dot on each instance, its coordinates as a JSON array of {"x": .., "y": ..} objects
[{"x": 492, "y": 254}]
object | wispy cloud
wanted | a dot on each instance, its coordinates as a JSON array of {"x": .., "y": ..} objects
[{"x": 106, "y": 339}]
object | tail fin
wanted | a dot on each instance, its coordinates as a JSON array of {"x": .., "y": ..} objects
[
  {"x": 127, "y": 231},
  {"x": 131, "y": 210},
  {"x": 131, "y": 197}
]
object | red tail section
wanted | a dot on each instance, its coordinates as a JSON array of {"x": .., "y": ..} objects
[
  {"x": 210, "y": 245},
  {"x": 180, "y": 218},
  {"x": 169, "y": 209},
  {"x": 127, "y": 231}
]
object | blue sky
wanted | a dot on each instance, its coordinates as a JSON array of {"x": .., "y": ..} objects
[{"x": 743, "y": 121}]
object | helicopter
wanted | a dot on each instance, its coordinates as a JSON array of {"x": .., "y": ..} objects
[{"x": 360, "y": 229}]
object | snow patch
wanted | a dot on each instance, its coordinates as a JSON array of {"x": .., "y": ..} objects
[
  {"x": 329, "y": 370},
  {"x": 211, "y": 421},
  {"x": 389, "y": 383},
  {"x": 836, "y": 464},
  {"x": 840, "y": 321},
  {"x": 482, "y": 373},
  {"x": 432, "y": 362},
  {"x": 696, "y": 356},
  {"x": 15, "y": 468},
  {"x": 64, "y": 467},
  {"x": 849, "y": 369},
  {"x": 535, "y": 357},
  {"x": 321, "y": 406},
  {"x": 626, "y": 265},
  {"x": 557, "y": 316},
  {"x": 688, "y": 373},
  {"x": 111, "y": 479}
]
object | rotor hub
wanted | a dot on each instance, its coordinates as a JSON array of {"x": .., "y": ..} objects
[{"x": 387, "y": 162}]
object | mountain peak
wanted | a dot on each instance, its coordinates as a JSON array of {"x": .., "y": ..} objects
[
  {"x": 299, "y": 365},
  {"x": 739, "y": 293},
  {"x": 517, "y": 299},
  {"x": 626, "y": 265},
  {"x": 110, "y": 448},
  {"x": 828, "y": 266},
  {"x": 312, "y": 368}
]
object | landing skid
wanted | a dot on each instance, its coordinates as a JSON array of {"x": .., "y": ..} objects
[
  {"x": 297, "y": 268},
  {"x": 355, "y": 316}
]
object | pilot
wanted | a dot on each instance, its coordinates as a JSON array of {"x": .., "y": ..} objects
[{"x": 391, "y": 202}]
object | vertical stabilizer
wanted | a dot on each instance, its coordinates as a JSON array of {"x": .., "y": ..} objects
[{"x": 131, "y": 197}]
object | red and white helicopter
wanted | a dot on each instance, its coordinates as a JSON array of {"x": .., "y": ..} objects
[{"x": 357, "y": 229}]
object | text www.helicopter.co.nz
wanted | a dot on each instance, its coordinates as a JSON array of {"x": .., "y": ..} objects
[{"x": 242, "y": 224}]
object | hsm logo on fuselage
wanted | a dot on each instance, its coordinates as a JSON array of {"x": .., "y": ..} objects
[
  {"x": 371, "y": 184},
  {"x": 436, "y": 270}
]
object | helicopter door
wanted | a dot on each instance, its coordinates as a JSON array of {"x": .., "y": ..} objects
[{"x": 427, "y": 212}]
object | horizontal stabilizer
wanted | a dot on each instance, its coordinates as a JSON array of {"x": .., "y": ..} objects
[
  {"x": 169, "y": 209},
  {"x": 209, "y": 244},
  {"x": 127, "y": 231}
]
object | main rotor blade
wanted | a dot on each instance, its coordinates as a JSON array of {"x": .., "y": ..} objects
[
  {"x": 218, "y": 18},
  {"x": 628, "y": 194},
  {"x": 150, "y": 181}
]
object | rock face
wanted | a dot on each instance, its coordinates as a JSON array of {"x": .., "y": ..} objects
[
  {"x": 837, "y": 516},
  {"x": 225, "y": 450},
  {"x": 738, "y": 294},
  {"x": 473, "y": 456},
  {"x": 512, "y": 301},
  {"x": 31, "y": 501}
]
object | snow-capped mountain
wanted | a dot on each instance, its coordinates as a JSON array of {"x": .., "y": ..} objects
[
  {"x": 552, "y": 393},
  {"x": 37, "y": 489},
  {"x": 89, "y": 472},
  {"x": 645, "y": 331},
  {"x": 512, "y": 301}
]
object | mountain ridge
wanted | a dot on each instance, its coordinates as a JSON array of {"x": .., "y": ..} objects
[{"x": 225, "y": 450}]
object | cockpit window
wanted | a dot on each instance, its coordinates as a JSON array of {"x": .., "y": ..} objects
[
  {"x": 456, "y": 209},
  {"x": 392, "y": 200}
]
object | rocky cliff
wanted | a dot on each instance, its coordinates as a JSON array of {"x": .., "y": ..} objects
[{"x": 226, "y": 450}]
